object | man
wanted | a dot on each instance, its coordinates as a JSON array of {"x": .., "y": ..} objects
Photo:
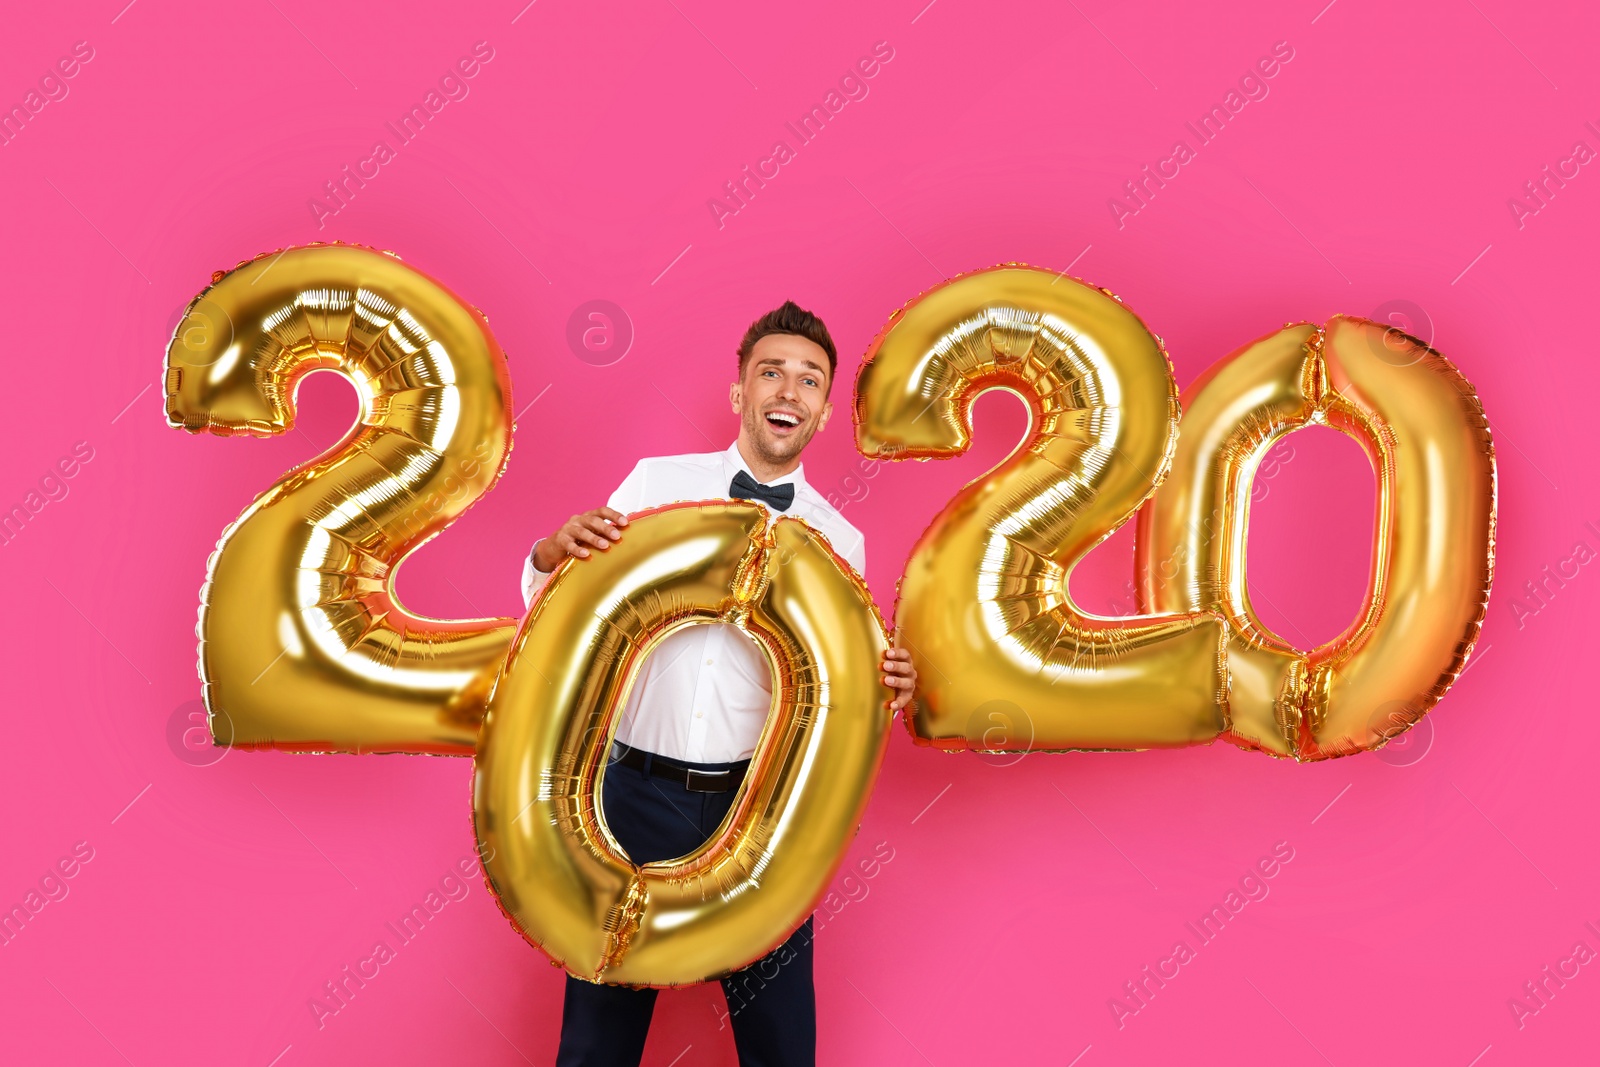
[{"x": 701, "y": 699}]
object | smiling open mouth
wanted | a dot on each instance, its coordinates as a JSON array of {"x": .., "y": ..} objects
[{"x": 782, "y": 420}]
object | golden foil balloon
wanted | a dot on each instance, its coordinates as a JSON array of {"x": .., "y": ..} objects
[
  {"x": 984, "y": 604},
  {"x": 303, "y": 644},
  {"x": 556, "y": 870},
  {"x": 1424, "y": 430}
]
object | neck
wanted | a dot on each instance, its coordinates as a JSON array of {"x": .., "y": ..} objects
[{"x": 764, "y": 472}]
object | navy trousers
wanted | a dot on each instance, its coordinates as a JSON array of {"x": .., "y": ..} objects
[{"x": 772, "y": 1003}]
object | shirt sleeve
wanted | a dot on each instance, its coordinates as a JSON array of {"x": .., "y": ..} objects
[
  {"x": 857, "y": 556},
  {"x": 628, "y": 498},
  {"x": 533, "y": 578},
  {"x": 630, "y": 495}
]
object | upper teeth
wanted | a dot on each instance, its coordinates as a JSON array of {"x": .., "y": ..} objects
[{"x": 786, "y": 417}]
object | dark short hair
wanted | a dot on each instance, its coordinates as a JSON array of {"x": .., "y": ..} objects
[{"x": 790, "y": 318}]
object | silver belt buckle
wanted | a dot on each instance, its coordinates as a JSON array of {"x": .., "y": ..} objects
[{"x": 718, "y": 776}]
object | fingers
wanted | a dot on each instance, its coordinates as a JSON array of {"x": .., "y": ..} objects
[
  {"x": 901, "y": 700},
  {"x": 570, "y": 545},
  {"x": 584, "y": 536},
  {"x": 899, "y": 675},
  {"x": 588, "y": 529},
  {"x": 903, "y": 687},
  {"x": 591, "y": 529},
  {"x": 602, "y": 530}
]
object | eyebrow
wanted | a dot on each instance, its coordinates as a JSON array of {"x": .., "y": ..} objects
[{"x": 774, "y": 361}]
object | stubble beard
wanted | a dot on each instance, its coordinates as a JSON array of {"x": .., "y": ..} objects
[{"x": 775, "y": 453}]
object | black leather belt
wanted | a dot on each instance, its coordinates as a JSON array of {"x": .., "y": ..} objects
[{"x": 693, "y": 779}]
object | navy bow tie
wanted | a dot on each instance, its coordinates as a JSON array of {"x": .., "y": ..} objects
[{"x": 745, "y": 487}]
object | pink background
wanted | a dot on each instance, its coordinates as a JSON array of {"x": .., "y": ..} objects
[{"x": 1374, "y": 178}]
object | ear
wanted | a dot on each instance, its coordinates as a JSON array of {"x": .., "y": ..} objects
[
  {"x": 736, "y": 396},
  {"x": 827, "y": 413}
]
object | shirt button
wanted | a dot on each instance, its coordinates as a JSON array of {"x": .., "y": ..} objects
[{"x": 699, "y": 714}]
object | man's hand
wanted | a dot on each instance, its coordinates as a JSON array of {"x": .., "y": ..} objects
[
  {"x": 898, "y": 673},
  {"x": 597, "y": 528}
]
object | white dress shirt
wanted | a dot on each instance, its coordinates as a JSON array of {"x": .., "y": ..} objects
[{"x": 703, "y": 693}]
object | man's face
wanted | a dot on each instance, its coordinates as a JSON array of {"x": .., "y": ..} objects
[{"x": 782, "y": 398}]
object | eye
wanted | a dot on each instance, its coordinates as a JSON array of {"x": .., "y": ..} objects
[{"x": 810, "y": 381}]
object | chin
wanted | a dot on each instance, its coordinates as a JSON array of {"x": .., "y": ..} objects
[{"x": 781, "y": 449}]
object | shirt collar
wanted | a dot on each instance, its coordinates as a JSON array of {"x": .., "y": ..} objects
[{"x": 733, "y": 459}]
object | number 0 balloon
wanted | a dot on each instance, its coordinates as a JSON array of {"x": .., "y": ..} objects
[
  {"x": 1423, "y": 429},
  {"x": 556, "y": 870}
]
